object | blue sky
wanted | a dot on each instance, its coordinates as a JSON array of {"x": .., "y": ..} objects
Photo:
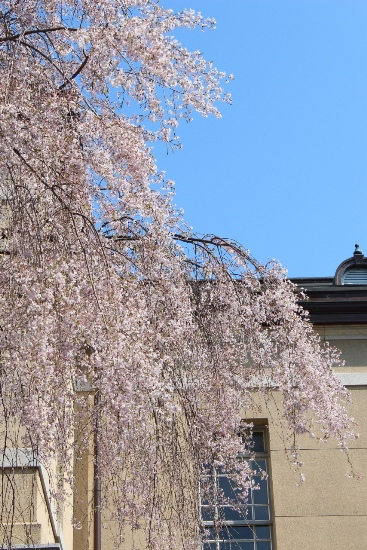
[{"x": 284, "y": 171}]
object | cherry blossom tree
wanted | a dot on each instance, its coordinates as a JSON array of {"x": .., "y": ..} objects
[{"x": 102, "y": 281}]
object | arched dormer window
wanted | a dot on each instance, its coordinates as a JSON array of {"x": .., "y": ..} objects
[
  {"x": 355, "y": 276},
  {"x": 352, "y": 271}
]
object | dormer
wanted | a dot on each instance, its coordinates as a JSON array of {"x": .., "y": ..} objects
[{"x": 352, "y": 271}]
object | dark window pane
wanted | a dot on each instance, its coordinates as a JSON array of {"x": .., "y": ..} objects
[
  {"x": 227, "y": 487},
  {"x": 263, "y": 545},
  {"x": 258, "y": 441},
  {"x": 261, "y": 512},
  {"x": 261, "y": 495},
  {"x": 207, "y": 513},
  {"x": 236, "y": 545},
  {"x": 236, "y": 532},
  {"x": 259, "y": 465},
  {"x": 241, "y": 532},
  {"x": 209, "y": 533},
  {"x": 203, "y": 500},
  {"x": 210, "y": 546},
  {"x": 224, "y": 534},
  {"x": 263, "y": 532},
  {"x": 246, "y": 546},
  {"x": 228, "y": 513}
]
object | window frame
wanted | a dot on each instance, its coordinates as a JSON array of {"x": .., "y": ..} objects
[{"x": 227, "y": 525}]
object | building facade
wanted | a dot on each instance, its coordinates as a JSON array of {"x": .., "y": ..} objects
[{"x": 328, "y": 511}]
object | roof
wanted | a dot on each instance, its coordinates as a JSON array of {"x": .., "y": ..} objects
[{"x": 332, "y": 302}]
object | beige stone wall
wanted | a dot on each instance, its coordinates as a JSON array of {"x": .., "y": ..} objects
[
  {"x": 24, "y": 514},
  {"x": 321, "y": 533},
  {"x": 28, "y": 515},
  {"x": 327, "y": 504},
  {"x": 83, "y": 499},
  {"x": 329, "y": 510}
]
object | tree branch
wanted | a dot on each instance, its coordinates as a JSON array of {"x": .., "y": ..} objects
[
  {"x": 14, "y": 37},
  {"x": 219, "y": 242},
  {"x": 78, "y": 71},
  {"x": 31, "y": 47}
]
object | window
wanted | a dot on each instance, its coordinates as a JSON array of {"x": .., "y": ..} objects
[
  {"x": 247, "y": 527},
  {"x": 355, "y": 276}
]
